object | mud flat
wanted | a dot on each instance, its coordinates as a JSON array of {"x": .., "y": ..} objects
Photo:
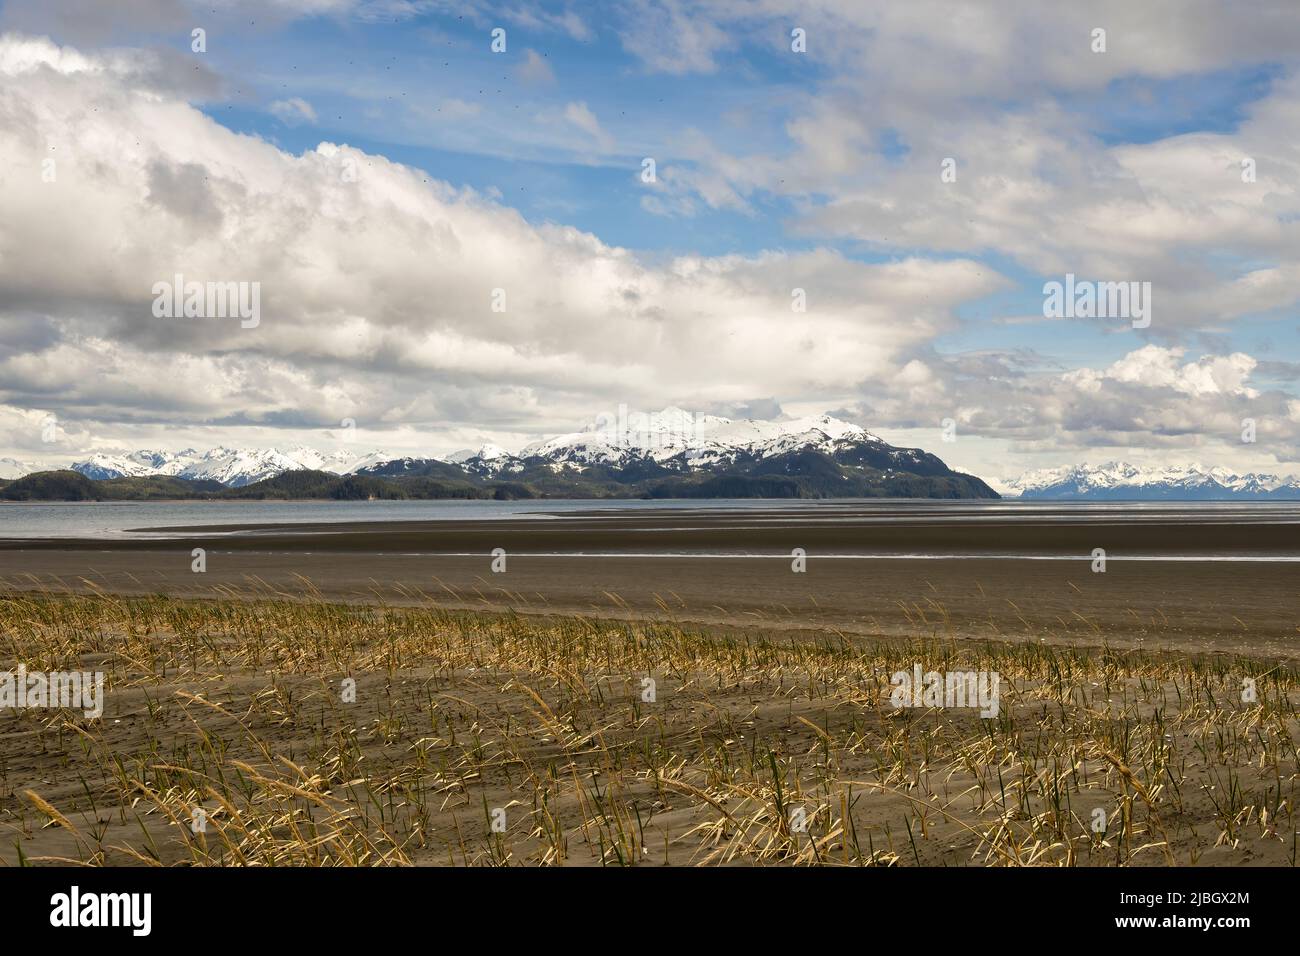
[
  {"x": 1193, "y": 581},
  {"x": 659, "y": 688}
]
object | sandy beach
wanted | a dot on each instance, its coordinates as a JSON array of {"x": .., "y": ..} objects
[{"x": 659, "y": 688}]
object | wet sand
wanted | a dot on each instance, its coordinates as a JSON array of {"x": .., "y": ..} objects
[
  {"x": 825, "y": 528},
  {"x": 735, "y": 569}
]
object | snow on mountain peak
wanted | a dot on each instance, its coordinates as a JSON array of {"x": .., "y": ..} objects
[
  {"x": 487, "y": 452},
  {"x": 613, "y": 439},
  {"x": 699, "y": 437},
  {"x": 234, "y": 467},
  {"x": 1115, "y": 479},
  {"x": 11, "y": 468}
]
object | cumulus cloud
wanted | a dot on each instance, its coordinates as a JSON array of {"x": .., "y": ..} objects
[
  {"x": 379, "y": 280},
  {"x": 1006, "y": 98},
  {"x": 1151, "y": 404},
  {"x": 1156, "y": 367},
  {"x": 379, "y": 284}
]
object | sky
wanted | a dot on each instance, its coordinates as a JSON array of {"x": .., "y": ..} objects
[{"x": 448, "y": 214}]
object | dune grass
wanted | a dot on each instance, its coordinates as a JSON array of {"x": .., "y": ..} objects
[{"x": 230, "y": 737}]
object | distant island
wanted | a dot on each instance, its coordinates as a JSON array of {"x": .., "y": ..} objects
[{"x": 802, "y": 475}]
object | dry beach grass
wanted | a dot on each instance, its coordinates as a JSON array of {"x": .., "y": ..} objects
[{"x": 504, "y": 739}]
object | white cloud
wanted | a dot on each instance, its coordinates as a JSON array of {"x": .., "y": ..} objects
[
  {"x": 581, "y": 116},
  {"x": 1156, "y": 367},
  {"x": 1006, "y": 97},
  {"x": 535, "y": 69},
  {"x": 671, "y": 36},
  {"x": 377, "y": 291},
  {"x": 293, "y": 111},
  {"x": 377, "y": 285}
]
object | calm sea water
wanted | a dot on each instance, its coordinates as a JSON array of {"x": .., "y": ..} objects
[{"x": 144, "y": 519}]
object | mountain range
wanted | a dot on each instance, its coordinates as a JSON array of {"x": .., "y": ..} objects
[
  {"x": 1119, "y": 480},
  {"x": 674, "y": 453},
  {"x": 232, "y": 467},
  {"x": 669, "y": 453}
]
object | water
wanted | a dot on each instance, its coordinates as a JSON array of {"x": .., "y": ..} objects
[
  {"x": 77, "y": 519},
  {"x": 137, "y": 519}
]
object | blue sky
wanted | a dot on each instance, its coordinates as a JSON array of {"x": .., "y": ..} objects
[
  {"x": 387, "y": 81},
  {"x": 367, "y": 81},
  {"x": 776, "y": 169}
]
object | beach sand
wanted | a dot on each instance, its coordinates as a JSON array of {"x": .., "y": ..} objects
[
  {"x": 769, "y": 734},
  {"x": 692, "y": 567}
]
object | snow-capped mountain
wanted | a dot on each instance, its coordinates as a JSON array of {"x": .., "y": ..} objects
[
  {"x": 488, "y": 452},
  {"x": 136, "y": 464},
  {"x": 11, "y": 468},
  {"x": 1120, "y": 480},
  {"x": 819, "y": 455},
  {"x": 676, "y": 453},
  {"x": 233, "y": 467},
  {"x": 236, "y": 467},
  {"x": 697, "y": 440}
]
